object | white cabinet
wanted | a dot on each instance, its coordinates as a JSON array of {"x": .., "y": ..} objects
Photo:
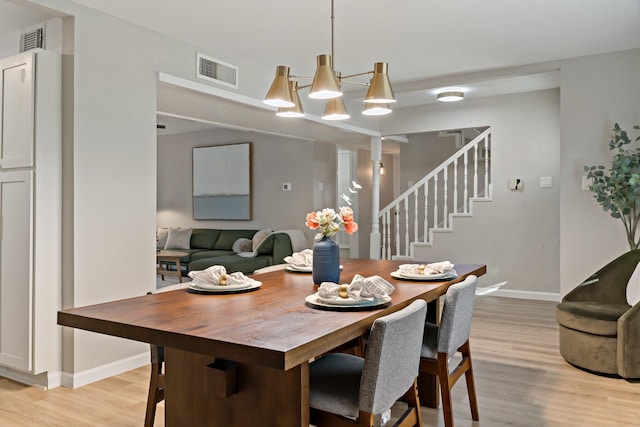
[
  {"x": 16, "y": 328},
  {"x": 30, "y": 213},
  {"x": 17, "y": 112}
]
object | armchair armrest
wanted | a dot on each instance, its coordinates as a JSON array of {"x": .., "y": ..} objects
[
  {"x": 628, "y": 352},
  {"x": 608, "y": 284}
]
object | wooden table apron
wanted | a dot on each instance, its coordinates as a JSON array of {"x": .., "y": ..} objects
[{"x": 242, "y": 359}]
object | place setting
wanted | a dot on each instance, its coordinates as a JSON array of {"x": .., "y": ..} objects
[
  {"x": 363, "y": 293},
  {"x": 437, "y": 271},
  {"x": 301, "y": 262},
  {"x": 216, "y": 280}
]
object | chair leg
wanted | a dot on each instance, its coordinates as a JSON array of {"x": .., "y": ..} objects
[
  {"x": 412, "y": 416},
  {"x": 365, "y": 419},
  {"x": 471, "y": 385},
  {"x": 155, "y": 394},
  {"x": 445, "y": 388}
]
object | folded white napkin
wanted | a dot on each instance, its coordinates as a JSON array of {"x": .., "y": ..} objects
[
  {"x": 303, "y": 258},
  {"x": 426, "y": 269},
  {"x": 360, "y": 288},
  {"x": 216, "y": 275}
]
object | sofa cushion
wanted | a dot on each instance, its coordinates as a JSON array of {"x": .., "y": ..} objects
[
  {"x": 227, "y": 237},
  {"x": 161, "y": 237},
  {"x": 232, "y": 263},
  {"x": 592, "y": 317},
  {"x": 242, "y": 245},
  {"x": 179, "y": 238},
  {"x": 204, "y": 238},
  {"x": 259, "y": 237},
  {"x": 266, "y": 245},
  {"x": 200, "y": 254}
]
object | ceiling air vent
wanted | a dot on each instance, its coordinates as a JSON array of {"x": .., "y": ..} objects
[
  {"x": 216, "y": 71},
  {"x": 32, "y": 39}
]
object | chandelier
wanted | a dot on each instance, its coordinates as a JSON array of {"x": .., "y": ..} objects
[{"x": 326, "y": 84}]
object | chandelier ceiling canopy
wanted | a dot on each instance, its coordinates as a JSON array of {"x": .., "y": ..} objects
[{"x": 326, "y": 84}]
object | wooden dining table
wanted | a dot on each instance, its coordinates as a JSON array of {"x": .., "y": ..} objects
[{"x": 241, "y": 359}]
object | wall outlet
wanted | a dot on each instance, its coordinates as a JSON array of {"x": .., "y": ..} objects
[
  {"x": 286, "y": 186},
  {"x": 586, "y": 182}
]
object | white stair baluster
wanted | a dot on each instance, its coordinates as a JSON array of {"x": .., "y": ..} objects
[
  {"x": 445, "y": 204},
  {"x": 435, "y": 201},
  {"x": 466, "y": 182},
  {"x": 406, "y": 226},
  {"x": 455, "y": 186},
  {"x": 426, "y": 212},
  {"x": 486, "y": 167},
  {"x": 475, "y": 171},
  {"x": 415, "y": 219},
  {"x": 397, "y": 231}
]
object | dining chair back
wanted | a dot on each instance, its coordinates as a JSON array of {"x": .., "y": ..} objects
[
  {"x": 443, "y": 341},
  {"x": 345, "y": 386}
]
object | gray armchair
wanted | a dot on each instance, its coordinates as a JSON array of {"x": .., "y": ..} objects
[{"x": 599, "y": 330}]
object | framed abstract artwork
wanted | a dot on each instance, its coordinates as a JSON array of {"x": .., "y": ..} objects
[{"x": 222, "y": 182}]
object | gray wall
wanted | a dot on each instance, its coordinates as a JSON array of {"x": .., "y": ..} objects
[
  {"x": 516, "y": 235},
  {"x": 597, "y": 91},
  {"x": 275, "y": 160}
]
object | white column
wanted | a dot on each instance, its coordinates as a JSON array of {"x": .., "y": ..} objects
[{"x": 376, "y": 156}]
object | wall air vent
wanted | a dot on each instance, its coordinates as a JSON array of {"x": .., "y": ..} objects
[
  {"x": 211, "y": 69},
  {"x": 32, "y": 39}
]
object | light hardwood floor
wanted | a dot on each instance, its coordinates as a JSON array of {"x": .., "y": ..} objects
[{"x": 521, "y": 380}]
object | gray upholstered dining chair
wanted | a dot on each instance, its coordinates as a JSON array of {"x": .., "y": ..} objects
[
  {"x": 351, "y": 390},
  {"x": 452, "y": 336}
]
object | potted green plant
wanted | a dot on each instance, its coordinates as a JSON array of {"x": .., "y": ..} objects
[{"x": 619, "y": 191}]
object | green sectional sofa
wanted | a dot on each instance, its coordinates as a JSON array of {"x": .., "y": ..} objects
[{"x": 214, "y": 247}]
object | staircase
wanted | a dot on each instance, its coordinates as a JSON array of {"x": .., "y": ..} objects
[{"x": 430, "y": 205}]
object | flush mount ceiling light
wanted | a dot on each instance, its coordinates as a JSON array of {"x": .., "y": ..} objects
[
  {"x": 451, "y": 96},
  {"x": 326, "y": 84}
]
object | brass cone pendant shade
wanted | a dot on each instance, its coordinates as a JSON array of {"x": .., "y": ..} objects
[
  {"x": 325, "y": 85},
  {"x": 279, "y": 94},
  {"x": 335, "y": 110},
  {"x": 371, "y": 109},
  {"x": 380, "y": 89},
  {"x": 296, "y": 110}
]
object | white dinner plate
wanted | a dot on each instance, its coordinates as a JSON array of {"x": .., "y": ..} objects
[
  {"x": 312, "y": 300},
  {"x": 301, "y": 269},
  {"x": 254, "y": 284},
  {"x": 315, "y": 299},
  {"x": 451, "y": 274}
]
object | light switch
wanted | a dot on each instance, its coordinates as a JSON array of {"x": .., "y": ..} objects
[
  {"x": 286, "y": 186},
  {"x": 546, "y": 182},
  {"x": 586, "y": 182}
]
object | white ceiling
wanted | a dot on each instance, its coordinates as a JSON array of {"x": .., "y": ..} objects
[{"x": 420, "y": 39}]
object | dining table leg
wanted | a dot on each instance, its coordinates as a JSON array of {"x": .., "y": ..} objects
[{"x": 203, "y": 391}]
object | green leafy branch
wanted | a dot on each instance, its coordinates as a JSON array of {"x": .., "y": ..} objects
[{"x": 619, "y": 192}]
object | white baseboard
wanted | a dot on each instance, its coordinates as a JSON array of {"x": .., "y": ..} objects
[
  {"x": 46, "y": 380},
  {"x": 542, "y": 296},
  {"x": 78, "y": 379}
]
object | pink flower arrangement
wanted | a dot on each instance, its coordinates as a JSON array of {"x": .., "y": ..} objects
[{"x": 328, "y": 221}]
